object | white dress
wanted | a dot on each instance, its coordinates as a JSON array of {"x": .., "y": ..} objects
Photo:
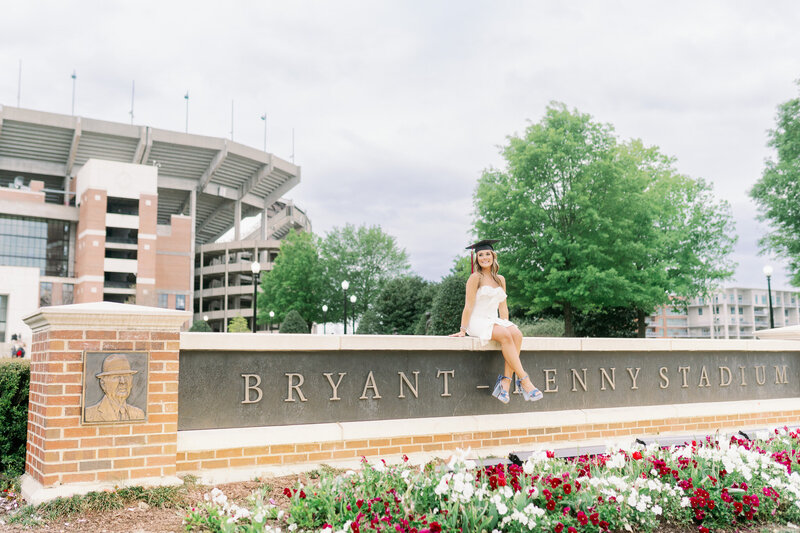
[{"x": 485, "y": 313}]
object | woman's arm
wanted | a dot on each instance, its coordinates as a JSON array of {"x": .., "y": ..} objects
[
  {"x": 503, "y": 308},
  {"x": 469, "y": 302}
]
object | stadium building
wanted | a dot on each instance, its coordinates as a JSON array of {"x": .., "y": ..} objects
[{"x": 92, "y": 210}]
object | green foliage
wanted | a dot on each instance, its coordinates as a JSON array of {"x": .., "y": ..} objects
[
  {"x": 545, "y": 327},
  {"x": 200, "y": 325},
  {"x": 370, "y": 324},
  {"x": 617, "y": 322},
  {"x": 15, "y": 376},
  {"x": 238, "y": 324},
  {"x": 98, "y": 502},
  {"x": 448, "y": 305},
  {"x": 400, "y": 304},
  {"x": 293, "y": 323},
  {"x": 587, "y": 223},
  {"x": 295, "y": 281},
  {"x": 461, "y": 267},
  {"x": 777, "y": 193},
  {"x": 364, "y": 256},
  {"x": 423, "y": 322}
]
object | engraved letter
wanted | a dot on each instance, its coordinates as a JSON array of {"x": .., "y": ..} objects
[
  {"x": 248, "y": 387},
  {"x": 370, "y": 384},
  {"x": 408, "y": 384},
  {"x": 683, "y": 370},
  {"x": 761, "y": 377},
  {"x": 662, "y": 372},
  {"x": 741, "y": 370},
  {"x": 582, "y": 381},
  {"x": 446, "y": 373},
  {"x": 335, "y": 388},
  {"x": 290, "y": 393},
  {"x": 780, "y": 376},
  {"x": 704, "y": 377},
  {"x": 549, "y": 380},
  {"x": 604, "y": 377},
  {"x": 633, "y": 377},
  {"x": 725, "y": 380}
]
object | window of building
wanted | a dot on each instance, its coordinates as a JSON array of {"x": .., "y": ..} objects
[
  {"x": 763, "y": 298},
  {"x": 741, "y": 310},
  {"x": 163, "y": 300},
  {"x": 740, "y": 298},
  {"x": 122, "y": 206},
  {"x": 731, "y": 297},
  {"x": 45, "y": 294},
  {"x": 3, "y": 311},
  {"x": 180, "y": 302},
  {"x": 700, "y": 301},
  {"x": 39, "y": 243},
  {"x": 778, "y": 299},
  {"x": 786, "y": 313},
  {"x": 67, "y": 293},
  {"x": 700, "y": 311}
]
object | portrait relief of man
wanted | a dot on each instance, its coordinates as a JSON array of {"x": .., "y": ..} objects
[{"x": 116, "y": 382}]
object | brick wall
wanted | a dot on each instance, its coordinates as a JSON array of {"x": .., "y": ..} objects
[{"x": 61, "y": 449}]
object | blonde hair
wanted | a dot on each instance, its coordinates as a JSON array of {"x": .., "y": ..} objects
[{"x": 493, "y": 269}]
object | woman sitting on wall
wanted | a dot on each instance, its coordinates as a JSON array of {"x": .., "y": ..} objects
[{"x": 486, "y": 316}]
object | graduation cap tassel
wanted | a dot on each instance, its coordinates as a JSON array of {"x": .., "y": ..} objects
[{"x": 471, "y": 263}]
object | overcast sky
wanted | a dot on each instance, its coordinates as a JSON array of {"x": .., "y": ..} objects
[{"x": 398, "y": 106}]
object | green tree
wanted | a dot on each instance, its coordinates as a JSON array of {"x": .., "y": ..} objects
[
  {"x": 370, "y": 324},
  {"x": 448, "y": 304},
  {"x": 367, "y": 258},
  {"x": 555, "y": 211},
  {"x": 293, "y": 323},
  {"x": 587, "y": 223},
  {"x": 461, "y": 267},
  {"x": 238, "y": 324},
  {"x": 295, "y": 281},
  {"x": 400, "y": 304},
  {"x": 777, "y": 193},
  {"x": 619, "y": 322},
  {"x": 200, "y": 325}
]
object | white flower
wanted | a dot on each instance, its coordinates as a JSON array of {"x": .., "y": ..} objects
[
  {"x": 292, "y": 527},
  {"x": 657, "y": 509},
  {"x": 684, "y": 502}
]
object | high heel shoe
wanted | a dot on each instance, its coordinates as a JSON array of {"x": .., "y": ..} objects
[
  {"x": 532, "y": 396},
  {"x": 499, "y": 392}
]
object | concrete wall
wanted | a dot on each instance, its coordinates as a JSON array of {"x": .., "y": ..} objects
[
  {"x": 21, "y": 285},
  {"x": 122, "y": 180}
]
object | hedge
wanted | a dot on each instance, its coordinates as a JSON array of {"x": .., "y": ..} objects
[{"x": 15, "y": 378}]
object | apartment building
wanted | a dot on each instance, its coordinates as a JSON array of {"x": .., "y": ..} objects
[{"x": 732, "y": 313}]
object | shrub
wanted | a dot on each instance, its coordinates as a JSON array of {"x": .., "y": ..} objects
[
  {"x": 423, "y": 323},
  {"x": 238, "y": 324},
  {"x": 448, "y": 305},
  {"x": 370, "y": 324},
  {"x": 15, "y": 377},
  {"x": 293, "y": 323},
  {"x": 544, "y": 327},
  {"x": 200, "y": 325}
]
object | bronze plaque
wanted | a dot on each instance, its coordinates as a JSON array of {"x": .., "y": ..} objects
[{"x": 114, "y": 387}]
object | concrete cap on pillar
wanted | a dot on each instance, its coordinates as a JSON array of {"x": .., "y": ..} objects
[{"x": 107, "y": 315}]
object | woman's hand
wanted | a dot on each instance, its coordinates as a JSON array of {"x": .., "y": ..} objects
[{"x": 459, "y": 334}]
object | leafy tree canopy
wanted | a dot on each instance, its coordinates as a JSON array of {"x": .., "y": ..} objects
[
  {"x": 295, "y": 281},
  {"x": 586, "y": 222},
  {"x": 400, "y": 304},
  {"x": 200, "y": 325},
  {"x": 448, "y": 305},
  {"x": 777, "y": 193},
  {"x": 364, "y": 256}
]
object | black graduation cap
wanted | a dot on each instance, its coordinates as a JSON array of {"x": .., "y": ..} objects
[{"x": 485, "y": 244}]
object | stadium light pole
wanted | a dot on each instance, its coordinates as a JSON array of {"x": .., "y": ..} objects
[
  {"x": 74, "y": 77},
  {"x": 345, "y": 286},
  {"x": 324, "y": 319},
  {"x": 768, "y": 272},
  {"x": 271, "y": 316},
  {"x": 264, "y": 118},
  {"x": 186, "y": 97},
  {"x": 255, "y": 268}
]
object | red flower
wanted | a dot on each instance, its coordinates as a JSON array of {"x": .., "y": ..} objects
[
  {"x": 737, "y": 506},
  {"x": 555, "y": 482},
  {"x": 571, "y": 529},
  {"x": 559, "y": 528},
  {"x": 582, "y": 518},
  {"x": 704, "y": 529},
  {"x": 594, "y": 518},
  {"x": 551, "y": 505},
  {"x": 435, "y": 527},
  {"x": 287, "y": 492},
  {"x": 567, "y": 488},
  {"x": 637, "y": 455}
]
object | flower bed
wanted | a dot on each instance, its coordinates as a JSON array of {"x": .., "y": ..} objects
[{"x": 714, "y": 484}]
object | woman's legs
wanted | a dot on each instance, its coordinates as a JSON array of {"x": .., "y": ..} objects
[{"x": 510, "y": 339}]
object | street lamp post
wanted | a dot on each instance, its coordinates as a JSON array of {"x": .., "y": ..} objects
[
  {"x": 768, "y": 273},
  {"x": 324, "y": 319},
  {"x": 255, "y": 268},
  {"x": 353, "y": 319},
  {"x": 271, "y": 316},
  {"x": 345, "y": 285}
]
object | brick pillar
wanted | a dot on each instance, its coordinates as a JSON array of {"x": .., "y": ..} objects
[{"x": 78, "y": 353}]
